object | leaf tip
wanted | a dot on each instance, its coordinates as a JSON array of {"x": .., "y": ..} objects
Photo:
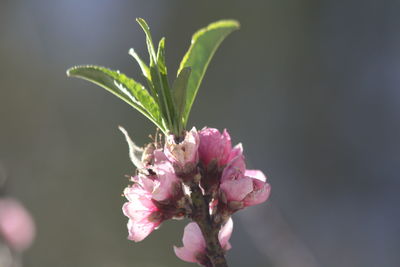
[
  {"x": 229, "y": 24},
  {"x": 142, "y": 23},
  {"x": 70, "y": 71},
  {"x": 131, "y": 51},
  {"x": 235, "y": 23},
  {"x": 75, "y": 70}
]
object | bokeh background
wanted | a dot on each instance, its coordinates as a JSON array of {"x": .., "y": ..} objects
[{"x": 310, "y": 87}]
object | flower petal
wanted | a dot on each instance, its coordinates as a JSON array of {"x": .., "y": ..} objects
[
  {"x": 140, "y": 230},
  {"x": 184, "y": 254},
  {"x": 227, "y": 147},
  {"x": 258, "y": 196},
  {"x": 194, "y": 245},
  {"x": 236, "y": 151},
  {"x": 237, "y": 190},
  {"x": 234, "y": 170},
  {"x": 225, "y": 234},
  {"x": 139, "y": 209},
  {"x": 140, "y": 198},
  {"x": 214, "y": 146},
  {"x": 168, "y": 181},
  {"x": 135, "y": 212},
  {"x": 145, "y": 182},
  {"x": 193, "y": 239},
  {"x": 256, "y": 174},
  {"x": 159, "y": 156}
]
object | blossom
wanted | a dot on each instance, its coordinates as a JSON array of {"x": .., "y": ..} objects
[
  {"x": 235, "y": 168},
  {"x": 184, "y": 152},
  {"x": 167, "y": 183},
  {"x": 214, "y": 146},
  {"x": 194, "y": 245},
  {"x": 241, "y": 187},
  {"x": 16, "y": 225},
  {"x": 158, "y": 191},
  {"x": 144, "y": 216},
  {"x": 261, "y": 189},
  {"x": 152, "y": 198}
]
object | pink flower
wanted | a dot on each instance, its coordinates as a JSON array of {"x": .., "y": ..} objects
[
  {"x": 184, "y": 152},
  {"x": 261, "y": 189},
  {"x": 214, "y": 146},
  {"x": 151, "y": 200},
  {"x": 16, "y": 225},
  {"x": 167, "y": 183},
  {"x": 194, "y": 246},
  {"x": 235, "y": 168},
  {"x": 236, "y": 152},
  {"x": 243, "y": 187},
  {"x": 144, "y": 216}
]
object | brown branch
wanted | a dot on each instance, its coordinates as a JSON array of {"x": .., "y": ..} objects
[{"x": 209, "y": 229}]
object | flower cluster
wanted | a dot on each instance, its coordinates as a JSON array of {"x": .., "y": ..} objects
[{"x": 168, "y": 175}]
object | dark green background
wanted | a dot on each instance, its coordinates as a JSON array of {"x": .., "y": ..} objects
[{"x": 311, "y": 88}]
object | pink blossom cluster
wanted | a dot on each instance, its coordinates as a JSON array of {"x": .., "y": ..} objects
[{"x": 161, "y": 189}]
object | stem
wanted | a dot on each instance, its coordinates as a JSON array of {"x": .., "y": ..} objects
[{"x": 210, "y": 230}]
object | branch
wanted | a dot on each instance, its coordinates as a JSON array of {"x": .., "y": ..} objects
[{"x": 209, "y": 229}]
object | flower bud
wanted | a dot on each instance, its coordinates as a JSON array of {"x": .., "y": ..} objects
[
  {"x": 241, "y": 187},
  {"x": 214, "y": 146},
  {"x": 261, "y": 189}
]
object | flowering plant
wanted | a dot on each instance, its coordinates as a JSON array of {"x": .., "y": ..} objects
[{"x": 193, "y": 174}]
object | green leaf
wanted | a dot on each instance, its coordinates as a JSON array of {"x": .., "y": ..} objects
[
  {"x": 143, "y": 66},
  {"x": 161, "y": 57},
  {"x": 159, "y": 78},
  {"x": 164, "y": 96},
  {"x": 149, "y": 40},
  {"x": 123, "y": 87},
  {"x": 203, "y": 46},
  {"x": 179, "y": 94},
  {"x": 162, "y": 68}
]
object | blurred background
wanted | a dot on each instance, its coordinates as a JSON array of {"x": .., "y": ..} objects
[{"x": 310, "y": 87}]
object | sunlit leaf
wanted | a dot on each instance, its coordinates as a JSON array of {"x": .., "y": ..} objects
[
  {"x": 159, "y": 77},
  {"x": 143, "y": 66},
  {"x": 125, "y": 88},
  {"x": 161, "y": 57},
  {"x": 149, "y": 40},
  {"x": 203, "y": 46},
  {"x": 179, "y": 93}
]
